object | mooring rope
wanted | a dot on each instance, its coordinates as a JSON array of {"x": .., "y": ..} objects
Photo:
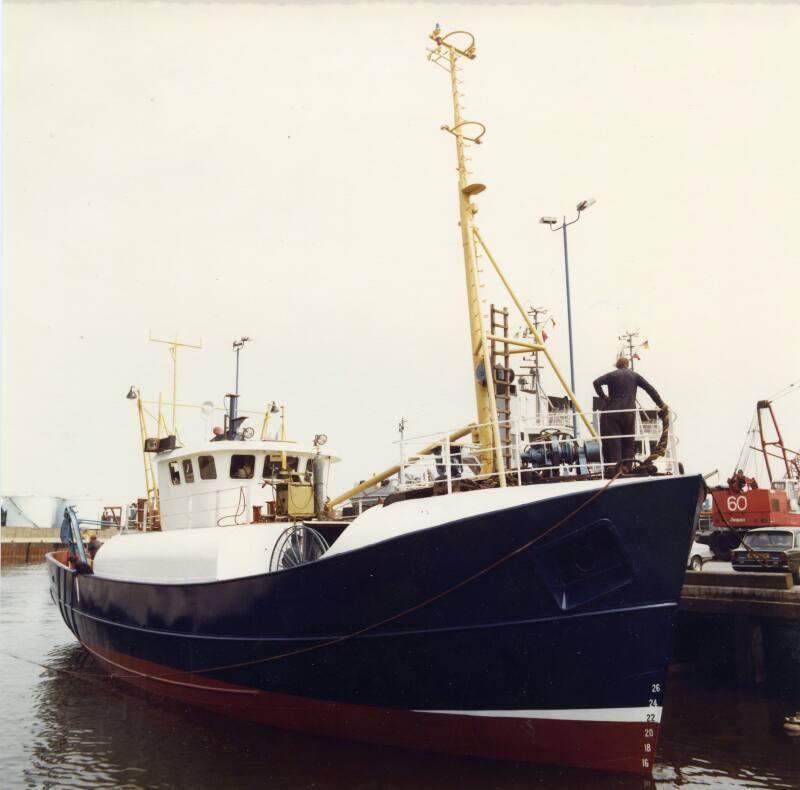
[{"x": 85, "y": 676}]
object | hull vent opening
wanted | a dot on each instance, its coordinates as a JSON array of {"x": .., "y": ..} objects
[{"x": 585, "y": 565}]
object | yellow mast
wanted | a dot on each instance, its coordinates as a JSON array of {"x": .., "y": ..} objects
[
  {"x": 446, "y": 55},
  {"x": 153, "y": 498},
  {"x": 174, "y": 345}
]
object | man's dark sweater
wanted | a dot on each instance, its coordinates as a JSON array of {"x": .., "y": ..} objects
[
  {"x": 618, "y": 420},
  {"x": 622, "y": 384}
]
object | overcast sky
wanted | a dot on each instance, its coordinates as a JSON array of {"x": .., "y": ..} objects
[{"x": 217, "y": 170}]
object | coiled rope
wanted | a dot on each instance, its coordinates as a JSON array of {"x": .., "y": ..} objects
[{"x": 646, "y": 466}]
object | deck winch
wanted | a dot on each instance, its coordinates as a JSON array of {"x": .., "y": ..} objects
[{"x": 553, "y": 452}]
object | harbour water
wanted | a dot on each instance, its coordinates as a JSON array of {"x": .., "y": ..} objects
[{"x": 63, "y": 723}]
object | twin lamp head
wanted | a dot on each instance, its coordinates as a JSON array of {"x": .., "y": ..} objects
[{"x": 582, "y": 206}]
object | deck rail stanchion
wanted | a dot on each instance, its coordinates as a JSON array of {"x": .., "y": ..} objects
[
  {"x": 673, "y": 444},
  {"x": 446, "y": 459}
]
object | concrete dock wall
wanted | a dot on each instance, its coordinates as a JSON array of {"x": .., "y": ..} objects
[
  {"x": 741, "y": 627},
  {"x": 31, "y": 544}
]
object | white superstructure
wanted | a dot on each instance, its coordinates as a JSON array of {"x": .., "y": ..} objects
[{"x": 232, "y": 482}]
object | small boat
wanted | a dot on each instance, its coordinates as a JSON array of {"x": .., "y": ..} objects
[{"x": 515, "y": 599}]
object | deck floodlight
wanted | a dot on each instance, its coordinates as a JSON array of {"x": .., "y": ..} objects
[
  {"x": 207, "y": 407},
  {"x": 320, "y": 439},
  {"x": 584, "y": 204},
  {"x": 548, "y": 220},
  {"x": 133, "y": 393}
]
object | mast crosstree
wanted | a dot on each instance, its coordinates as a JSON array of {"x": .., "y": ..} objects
[{"x": 449, "y": 49}]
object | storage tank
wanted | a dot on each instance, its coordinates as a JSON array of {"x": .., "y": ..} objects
[{"x": 33, "y": 510}]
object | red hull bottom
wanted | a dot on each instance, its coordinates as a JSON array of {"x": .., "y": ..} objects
[{"x": 622, "y": 746}]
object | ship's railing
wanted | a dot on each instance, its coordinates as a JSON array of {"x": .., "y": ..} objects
[
  {"x": 531, "y": 445},
  {"x": 558, "y": 419},
  {"x": 136, "y": 520},
  {"x": 93, "y": 523}
]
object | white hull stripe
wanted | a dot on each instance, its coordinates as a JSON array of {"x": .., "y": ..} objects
[
  {"x": 412, "y": 515},
  {"x": 597, "y": 714}
]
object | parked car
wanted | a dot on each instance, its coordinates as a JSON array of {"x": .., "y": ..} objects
[
  {"x": 698, "y": 555},
  {"x": 770, "y": 549}
]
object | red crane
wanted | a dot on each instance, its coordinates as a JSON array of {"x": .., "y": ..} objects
[{"x": 743, "y": 505}]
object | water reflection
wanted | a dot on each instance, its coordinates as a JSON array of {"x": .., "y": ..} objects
[
  {"x": 717, "y": 736},
  {"x": 99, "y": 733},
  {"x": 76, "y": 728}
]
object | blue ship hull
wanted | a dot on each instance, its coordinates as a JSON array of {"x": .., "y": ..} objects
[{"x": 449, "y": 638}]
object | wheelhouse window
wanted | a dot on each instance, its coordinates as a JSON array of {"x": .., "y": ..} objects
[
  {"x": 208, "y": 469},
  {"x": 272, "y": 466},
  {"x": 242, "y": 466},
  {"x": 174, "y": 474},
  {"x": 188, "y": 472}
]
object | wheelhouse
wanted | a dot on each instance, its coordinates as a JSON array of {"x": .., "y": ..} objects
[{"x": 232, "y": 483}]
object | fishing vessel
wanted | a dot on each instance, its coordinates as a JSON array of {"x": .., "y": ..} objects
[{"x": 510, "y": 597}]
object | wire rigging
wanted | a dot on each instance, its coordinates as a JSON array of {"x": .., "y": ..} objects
[{"x": 793, "y": 387}]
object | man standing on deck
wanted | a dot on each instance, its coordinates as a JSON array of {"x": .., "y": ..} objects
[{"x": 618, "y": 421}]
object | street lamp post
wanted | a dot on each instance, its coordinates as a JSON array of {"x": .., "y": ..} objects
[{"x": 552, "y": 222}]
